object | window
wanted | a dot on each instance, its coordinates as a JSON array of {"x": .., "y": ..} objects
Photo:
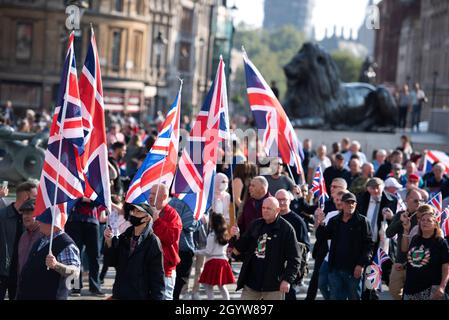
[
  {"x": 139, "y": 7},
  {"x": 116, "y": 46},
  {"x": 118, "y": 5},
  {"x": 24, "y": 36},
  {"x": 138, "y": 36},
  {"x": 187, "y": 21},
  {"x": 184, "y": 56}
]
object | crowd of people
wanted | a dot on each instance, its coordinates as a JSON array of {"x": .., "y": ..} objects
[{"x": 262, "y": 217}]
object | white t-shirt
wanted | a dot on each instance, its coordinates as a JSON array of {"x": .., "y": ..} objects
[
  {"x": 315, "y": 162},
  {"x": 329, "y": 216}
]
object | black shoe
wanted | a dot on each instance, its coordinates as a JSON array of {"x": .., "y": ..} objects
[
  {"x": 97, "y": 293},
  {"x": 101, "y": 281},
  {"x": 75, "y": 293}
]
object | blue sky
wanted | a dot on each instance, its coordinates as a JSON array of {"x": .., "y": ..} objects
[{"x": 349, "y": 14}]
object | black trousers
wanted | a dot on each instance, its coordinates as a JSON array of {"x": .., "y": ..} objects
[
  {"x": 182, "y": 272},
  {"x": 87, "y": 234},
  {"x": 403, "y": 116},
  {"x": 8, "y": 284},
  {"x": 313, "y": 284}
]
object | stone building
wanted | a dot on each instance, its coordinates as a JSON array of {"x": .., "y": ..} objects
[{"x": 139, "y": 77}]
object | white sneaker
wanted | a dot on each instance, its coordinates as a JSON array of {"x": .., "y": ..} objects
[{"x": 196, "y": 296}]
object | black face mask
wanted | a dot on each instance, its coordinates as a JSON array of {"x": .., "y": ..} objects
[{"x": 135, "y": 221}]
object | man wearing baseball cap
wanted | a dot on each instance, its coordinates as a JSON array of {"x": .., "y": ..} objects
[
  {"x": 137, "y": 257},
  {"x": 30, "y": 235},
  {"x": 350, "y": 250}
]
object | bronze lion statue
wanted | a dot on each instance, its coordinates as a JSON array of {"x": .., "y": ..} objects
[{"x": 316, "y": 98}]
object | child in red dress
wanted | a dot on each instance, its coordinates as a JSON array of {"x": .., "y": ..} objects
[{"x": 217, "y": 270}]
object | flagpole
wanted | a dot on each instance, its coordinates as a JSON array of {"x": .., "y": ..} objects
[
  {"x": 61, "y": 129},
  {"x": 165, "y": 160}
]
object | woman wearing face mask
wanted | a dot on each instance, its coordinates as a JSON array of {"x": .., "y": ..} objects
[
  {"x": 137, "y": 257},
  {"x": 222, "y": 198}
]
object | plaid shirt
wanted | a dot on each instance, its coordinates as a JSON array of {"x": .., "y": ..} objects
[{"x": 70, "y": 256}]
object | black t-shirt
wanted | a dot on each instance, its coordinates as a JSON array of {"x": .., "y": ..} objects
[
  {"x": 424, "y": 260},
  {"x": 258, "y": 260}
]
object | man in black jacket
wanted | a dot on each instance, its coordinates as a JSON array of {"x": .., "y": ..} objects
[
  {"x": 351, "y": 249},
  {"x": 271, "y": 255},
  {"x": 11, "y": 229},
  {"x": 137, "y": 257},
  {"x": 284, "y": 197}
]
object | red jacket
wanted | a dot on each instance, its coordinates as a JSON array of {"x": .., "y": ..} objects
[{"x": 168, "y": 229}]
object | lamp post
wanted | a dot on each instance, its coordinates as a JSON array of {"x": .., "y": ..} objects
[
  {"x": 435, "y": 76},
  {"x": 159, "y": 43}
]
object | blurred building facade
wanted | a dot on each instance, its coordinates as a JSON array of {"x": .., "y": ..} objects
[
  {"x": 139, "y": 77},
  {"x": 298, "y": 13},
  {"x": 412, "y": 46}
]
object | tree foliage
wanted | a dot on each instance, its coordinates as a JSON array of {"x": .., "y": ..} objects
[
  {"x": 348, "y": 64},
  {"x": 269, "y": 51}
]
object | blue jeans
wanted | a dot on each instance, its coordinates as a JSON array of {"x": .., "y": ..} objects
[
  {"x": 323, "y": 280},
  {"x": 344, "y": 286}
]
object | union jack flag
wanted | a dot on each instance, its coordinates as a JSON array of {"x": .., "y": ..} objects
[
  {"x": 94, "y": 159},
  {"x": 319, "y": 187},
  {"x": 380, "y": 257},
  {"x": 433, "y": 156},
  {"x": 445, "y": 226},
  {"x": 437, "y": 202},
  {"x": 61, "y": 182},
  {"x": 197, "y": 166},
  {"x": 271, "y": 119},
  {"x": 374, "y": 276},
  {"x": 401, "y": 206},
  {"x": 160, "y": 164}
]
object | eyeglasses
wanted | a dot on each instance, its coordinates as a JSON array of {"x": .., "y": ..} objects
[{"x": 282, "y": 200}]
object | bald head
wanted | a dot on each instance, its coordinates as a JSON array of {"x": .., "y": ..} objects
[
  {"x": 270, "y": 209},
  {"x": 284, "y": 198},
  {"x": 162, "y": 196}
]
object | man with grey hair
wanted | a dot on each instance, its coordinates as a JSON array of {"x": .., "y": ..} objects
[
  {"x": 354, "y": 150},
  {"x": 271, "y": 255},
  {"x": 381, "y": 156},
  {"x": 252, "y": 209}
]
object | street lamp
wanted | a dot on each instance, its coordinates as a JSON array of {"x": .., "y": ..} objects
[
  {"x": 159, "y": 44},
  {"x": 435, "y": 76}
]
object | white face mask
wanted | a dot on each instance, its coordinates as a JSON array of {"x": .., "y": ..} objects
[{"x": 222, "y": 187}]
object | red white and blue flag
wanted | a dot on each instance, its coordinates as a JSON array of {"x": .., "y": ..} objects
[
  {"x": 319, "y": 187},
  {"x": 194, "y": 179},
  {"x": 380, "y": 257},
  {"x": 434, "y": 156},
  {"x": 94, "y": 159},
  {"x": 160, "y": 163},
  {"x": 445, "y": 224},
  {"x": 401, "y": 206},
  {"x": 437, "y": 202},
  {"x": 374, "y": 274},
  {"x": 271, "y": 119},
  {"x": 61, "y": 182}
]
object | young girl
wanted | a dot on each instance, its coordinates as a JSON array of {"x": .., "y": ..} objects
[{"x": 217, "y": 270}]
